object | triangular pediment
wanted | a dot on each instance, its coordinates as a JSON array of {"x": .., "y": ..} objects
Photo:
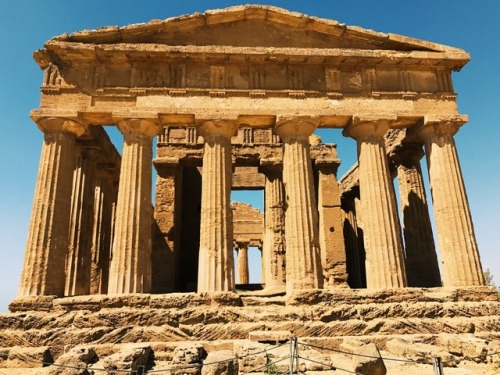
[{"x": 252, "y": 26}]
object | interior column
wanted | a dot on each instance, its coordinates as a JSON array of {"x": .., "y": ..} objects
[
  {"x": 79, "y": 259},
  {"x": 273, "y": 248},
  {"x": 243, "y": 274},
  {"x": 421, "y": 261}
]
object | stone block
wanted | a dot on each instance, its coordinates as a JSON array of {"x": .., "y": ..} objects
[
  {"x": 221, "y": 362},
  {"x": 366, "y": 358},
  {"x": 187, "y": 358},
  {"x": 269, "y": 336},
  {"x": 74, "y": 362}
]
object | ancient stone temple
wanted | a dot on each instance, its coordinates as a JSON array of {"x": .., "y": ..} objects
[{"x": 231, "y": 99}]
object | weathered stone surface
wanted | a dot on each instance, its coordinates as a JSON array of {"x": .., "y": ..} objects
[
  {"x": 269, "y": 336},
  {"x": 372, "y": 362},
  {"x": 130, "y": 357},
  {"x": 419, "y": 352},
  {"x": 20, "y": 356},
  {"x": 222, "y": 362},
  {"x": 74, "y": 362},
  {"x": 188, "y": 358}
]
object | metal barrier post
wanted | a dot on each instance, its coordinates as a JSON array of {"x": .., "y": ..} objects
[{"x": 437, "y": 364}]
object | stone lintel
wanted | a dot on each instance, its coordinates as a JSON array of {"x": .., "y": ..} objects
[
  {"x": 350, "y": 180},
  {"x": 264, "y": 121},
  {"x": 261, "y": 117},
  {"x": 325, "y": 164},
  {"x": 166, "y": 162},
  {"x": 167, "y": 119}
]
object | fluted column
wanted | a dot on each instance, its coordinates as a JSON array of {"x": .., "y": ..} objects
[
  {"x": 461, "y": 265},
  {"x": 216, "y": 263},
  {"x": 303, "y": 261},
  {"x": 381, "y": 230},
  {"x": 104, "y": 201},
  {"x": 243, "y": 275},
  {"x": 273, "y": 248},
  {"x": 130, "y": 270},
  {"x": 78, "y": 259},
  {"x": 422, "y": 269},
  {"x": 45, "y": 254}
]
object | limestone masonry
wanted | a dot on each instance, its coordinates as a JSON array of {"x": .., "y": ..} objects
[{"x": 112, "y": 282}]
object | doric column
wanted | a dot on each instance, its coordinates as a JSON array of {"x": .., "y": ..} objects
[
  {"x": 422, "y": 269},
  {"x": 273, "y": 248},
  {"x": 303, "y": 262},
  {"x": 105, "y": 194},
  {"x": 78, "y": 259},
  {"x": 243, "y": 276},
  {"x": 382, "y": 236},
  {"x": 130, "y": 270},
  {"x": 216, "y": 263},
  {"x": 331, "y": 235},
  {"x": 461, "y": 265},
  {"x": 44, "y": 259}
]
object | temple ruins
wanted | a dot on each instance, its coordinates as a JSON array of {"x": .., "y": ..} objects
[
  {"x": 235, "y": 109},
  {"x": 233, "y": 99}
]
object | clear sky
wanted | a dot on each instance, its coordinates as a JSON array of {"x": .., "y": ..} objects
[{"x": 471, "y": 25}]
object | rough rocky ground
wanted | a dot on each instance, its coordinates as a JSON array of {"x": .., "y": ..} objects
[{"x": 411, "y": 326}]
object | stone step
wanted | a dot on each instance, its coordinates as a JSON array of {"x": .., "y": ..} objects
[{"x": 107, "y": 324}]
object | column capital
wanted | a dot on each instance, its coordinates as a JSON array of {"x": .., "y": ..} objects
[
  {"x": 242, "y": 243},
  {"x": 295, "y": 126},
  {"x": 366, "y": 126},
  {"x": 270, "y": 165},
  {"x": 61, "y": 124},
  {"x": 148, "y": 127},
  {"x": 225, "y": 128},
  {"x": 407, "y": 152},
  {"x": 440, "y": 126}
]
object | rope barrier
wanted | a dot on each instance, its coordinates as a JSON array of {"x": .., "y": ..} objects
[
  {"x": 331, "y": 367},
  {"x": 264, "y": 366},
  {"x": 294, "y": 354},
  {"x": 362, "y": 355}
]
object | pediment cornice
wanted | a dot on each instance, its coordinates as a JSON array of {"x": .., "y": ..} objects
[{"x": 244, "y": 30}]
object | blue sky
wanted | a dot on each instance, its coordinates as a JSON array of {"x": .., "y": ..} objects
[{"x": 471, "y": 25}]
